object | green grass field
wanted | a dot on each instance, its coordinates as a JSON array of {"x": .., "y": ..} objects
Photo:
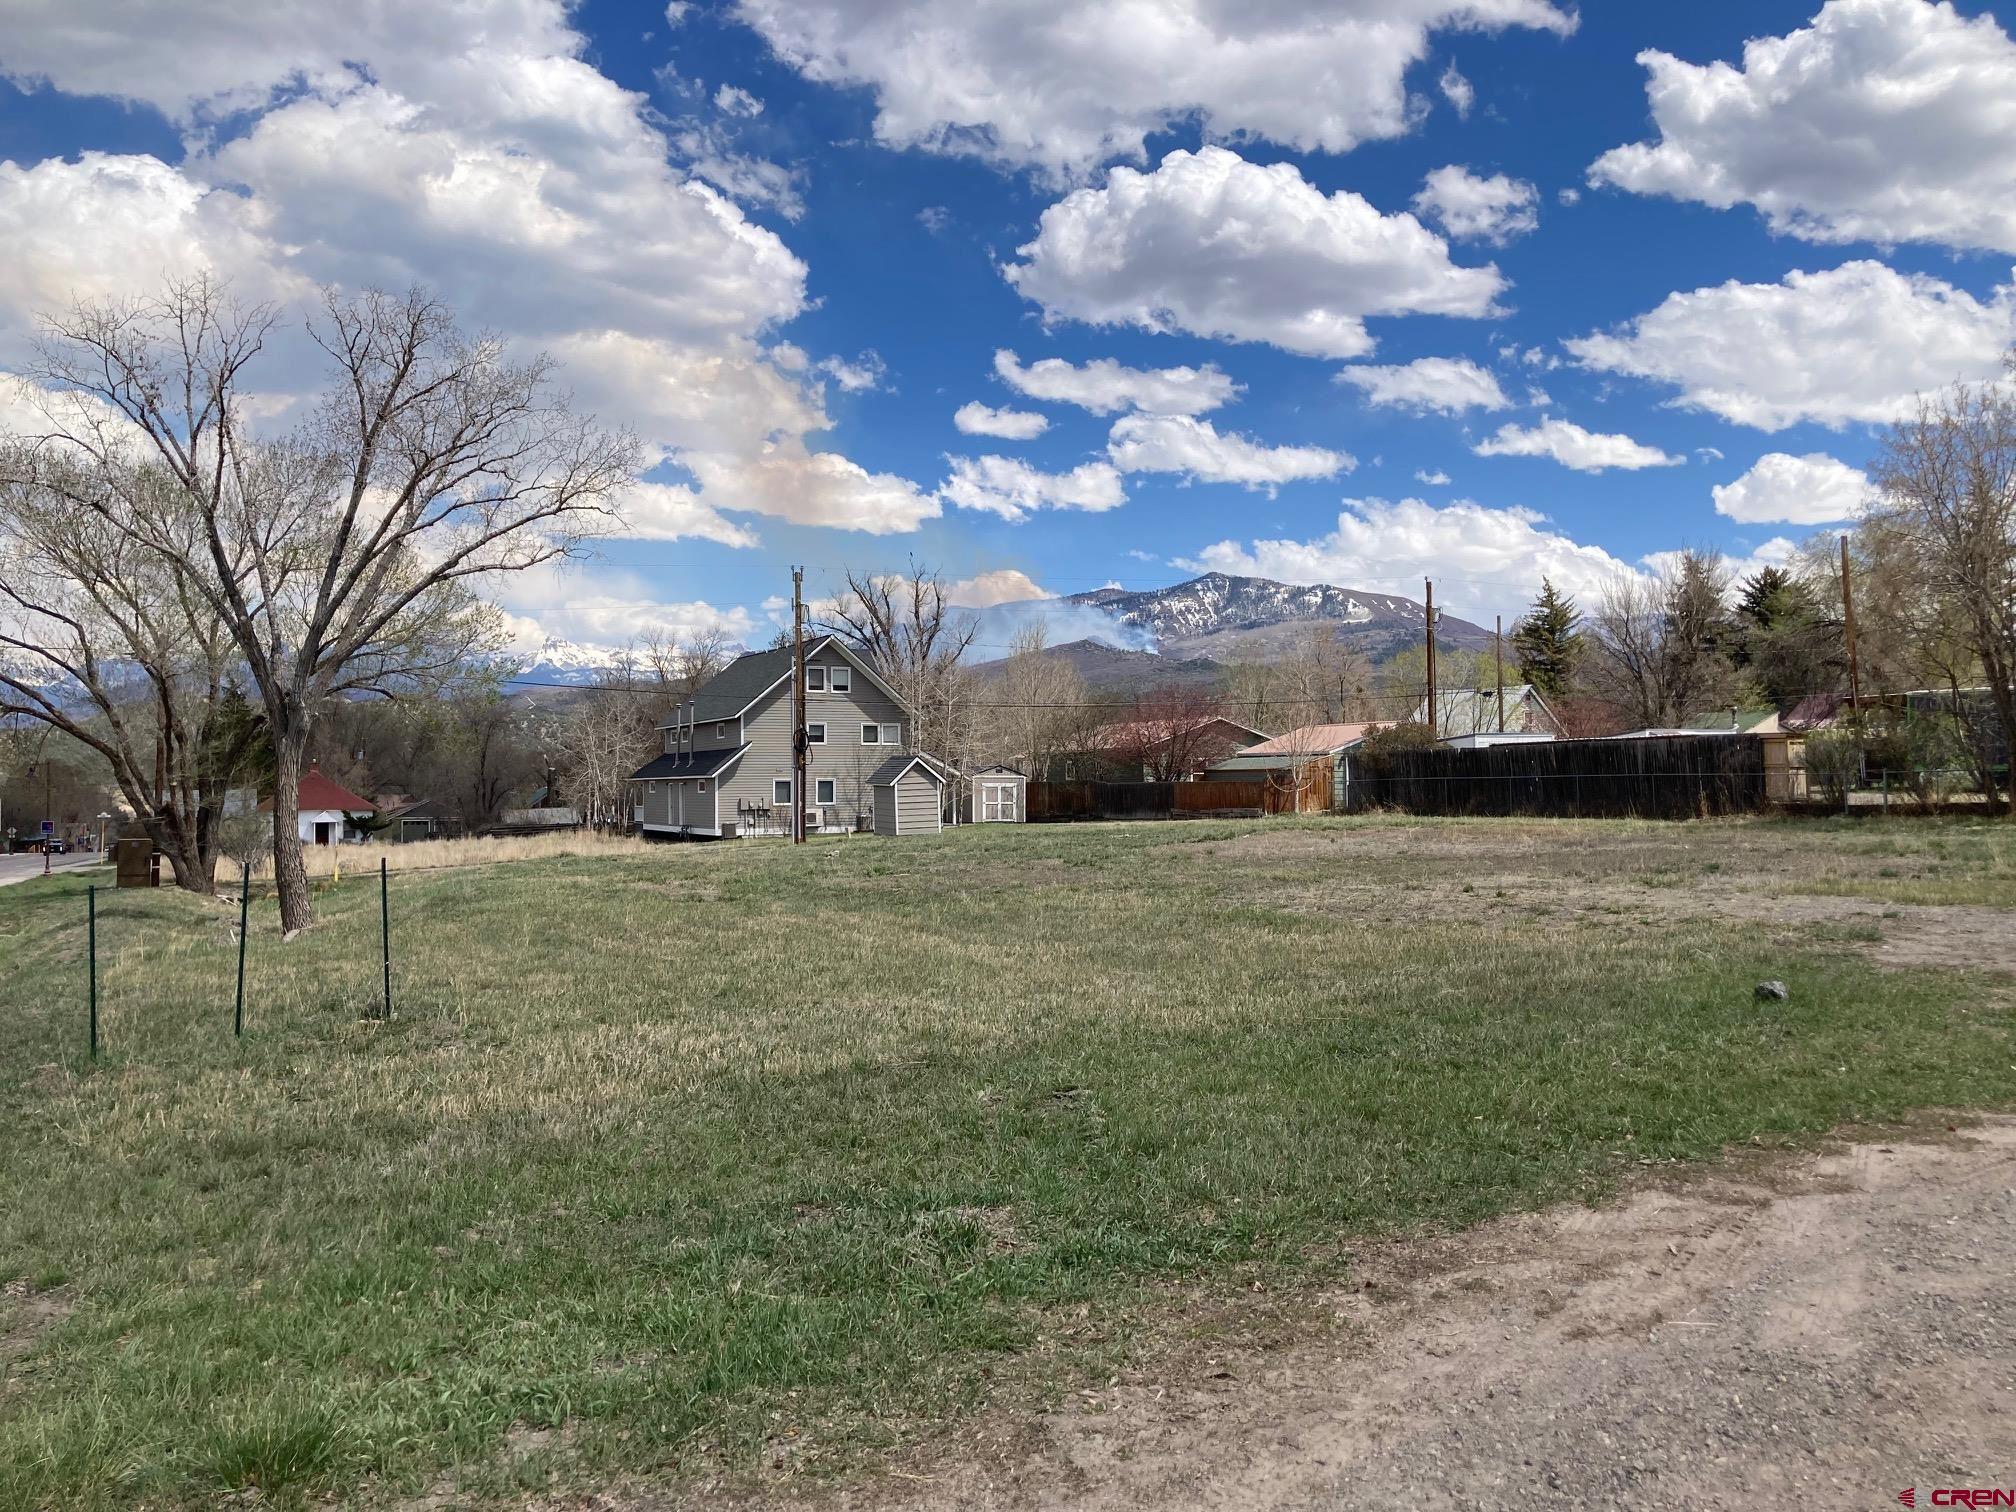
[{"x": 717, "y": 1156}]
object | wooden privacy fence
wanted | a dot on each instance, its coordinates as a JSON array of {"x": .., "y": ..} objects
[
  {"x": 1051, "y": 802},
  {"x": 1675, "y": 777}
]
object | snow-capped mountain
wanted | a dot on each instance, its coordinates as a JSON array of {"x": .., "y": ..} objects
[
  {"x": 565, "y": 662},
  {"x": 1222, "y": 616}
]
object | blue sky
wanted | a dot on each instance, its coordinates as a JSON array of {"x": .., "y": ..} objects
[{"x": 785, "y": 240}]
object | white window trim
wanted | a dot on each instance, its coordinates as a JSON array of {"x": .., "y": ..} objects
[
  {"x": 840, "y": 679},
  {"x": 892, "y": 734},
  {"x": 815, "y": 679},
  {"x": 721, "y": 732},
  {"x": 784, "y": 783},
  {"x": 825, "y": 792},
  {"x": 700, "y": 786},
  {"x": 815, "y": 739},
  {"x": 865, "y": 728}
]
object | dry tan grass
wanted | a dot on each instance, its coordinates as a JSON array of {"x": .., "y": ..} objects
[{"x": 433, "y": 855}]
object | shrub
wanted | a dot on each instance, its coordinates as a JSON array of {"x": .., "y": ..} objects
[
  {"x": 1383, "y": 744},
  {"x": 1834, "y": 763}
]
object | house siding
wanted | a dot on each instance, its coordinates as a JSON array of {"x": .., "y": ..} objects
[
  {"x": 843, "y": 758},
  {"x": 658, "y": 801},
  {"x": 917, "y": 804},
  {"x": 702, "y": 737}
]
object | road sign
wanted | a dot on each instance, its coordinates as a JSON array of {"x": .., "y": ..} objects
[{"x": 48, "y": 826}]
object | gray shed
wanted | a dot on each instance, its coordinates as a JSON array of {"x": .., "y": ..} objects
[
  {"x": 1000, "y": 796},
  {"x": 909, "y": 796}
]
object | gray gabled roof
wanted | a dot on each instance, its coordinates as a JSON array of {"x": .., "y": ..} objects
[
  {"x": 887, "y": 774},
  {"x": 739, "y": 684},
  {"x": 685, "y": 765},
  {"x": 730, "y": 692}
]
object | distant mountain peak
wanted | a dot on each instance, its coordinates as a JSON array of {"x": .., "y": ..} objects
[{"x": 1224, "y": 615}]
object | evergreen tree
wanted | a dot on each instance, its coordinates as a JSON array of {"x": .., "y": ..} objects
[
  {"x": 1782, "y": 642},
  {"x": 1770, "y": 596},
  {"x": 1547, "y": 643}
]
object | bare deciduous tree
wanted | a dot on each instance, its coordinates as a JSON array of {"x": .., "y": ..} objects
[
  {"x": 1947, "y": 528},
  {"x": 1170, "y": 734},
  {"x": 614, "y": 730},
  {"x": 1035, "y": 705},
  {"x": 916, "y": 640},
  {"x": 340, "y": 556},
  {"x": 100, "y": 639},
  {"x": 1659, "y": 646}
]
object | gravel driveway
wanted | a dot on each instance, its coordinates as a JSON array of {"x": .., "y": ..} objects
[{"x": 1823, "y": 1334}]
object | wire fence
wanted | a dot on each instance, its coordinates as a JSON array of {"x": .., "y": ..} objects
[{"x": 381, "y": 1007}]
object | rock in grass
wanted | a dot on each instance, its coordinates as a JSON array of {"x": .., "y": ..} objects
[{"x": 1772, "y": 992}]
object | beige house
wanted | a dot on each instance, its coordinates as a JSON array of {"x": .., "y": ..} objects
[{"x": 726, "y": 767}]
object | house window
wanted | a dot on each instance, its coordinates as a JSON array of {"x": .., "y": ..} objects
[
  {"x": 843, "y": 679},
  {"x": 815, "y": 679},
  {"x": 871, "y": 734},
  {"x": 815, "y": 734},
  {"x": 892, "y": 734},
  {"x": 823, "y": 791},
  {"x": 720, "y": 732},
  {"x": 700, "y": 786},
  {"x": 780, "y": 791}
]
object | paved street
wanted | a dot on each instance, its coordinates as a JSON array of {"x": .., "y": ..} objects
[{"x": 22, "y": 868}]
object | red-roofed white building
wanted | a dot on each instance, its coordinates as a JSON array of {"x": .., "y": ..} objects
[{"x": 327, "y": 809}]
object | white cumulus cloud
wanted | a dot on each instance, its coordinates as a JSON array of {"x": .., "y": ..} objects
[
  {"x": 1214, "y": 245},
  {"x": 1004, "y": 585},
  {"x": 1484, "y": 561},
  {"x": 1883, "y": 120},
  {"x": 1815, "y": 489},
  {"x": 1443, "y": 385},
  {"x": 1105, "y": 387},
  {"x": 1572, "y": 446},
  {"x": 1069, "y": 84},
  {"x": 471, "y": 150},
  {"x": 977, "y": 419},
  {"x": 1854, "y": 343},
  {"x": 1195, "y": 449},
  {"x": 1014, "y": 490},
  {"x": 1470, "y": 207},
  {"x": 601, "y": 607}
]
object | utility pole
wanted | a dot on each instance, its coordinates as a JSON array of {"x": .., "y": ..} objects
[
  {"x": 1498, "y": 649},
  {"x": 1431, "y": 656},
  {"x": 1848, "y": 608},
  {"x": 799, "y": 746}
]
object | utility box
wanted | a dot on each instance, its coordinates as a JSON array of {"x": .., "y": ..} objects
[{"x": 139, "y": 864}]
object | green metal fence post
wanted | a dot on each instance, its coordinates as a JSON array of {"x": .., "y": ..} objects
[
  {"x": 244, "y": 920},
  {"x": 91, "y": 929},
  {"x": 385, "y": 930}
]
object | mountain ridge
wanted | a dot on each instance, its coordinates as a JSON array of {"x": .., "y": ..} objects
[{"x": 1222, "y": 616}]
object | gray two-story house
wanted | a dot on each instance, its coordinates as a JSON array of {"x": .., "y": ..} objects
[{"x": 725, "y": 766}]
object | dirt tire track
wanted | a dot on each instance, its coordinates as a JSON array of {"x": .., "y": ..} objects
[{"x": 1833, "y": 1330}]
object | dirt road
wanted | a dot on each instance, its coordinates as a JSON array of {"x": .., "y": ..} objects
[{"x": 1821, "y": 1335}]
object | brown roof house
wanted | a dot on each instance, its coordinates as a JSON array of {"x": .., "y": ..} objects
[{"x": 1156, "y": 748}]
